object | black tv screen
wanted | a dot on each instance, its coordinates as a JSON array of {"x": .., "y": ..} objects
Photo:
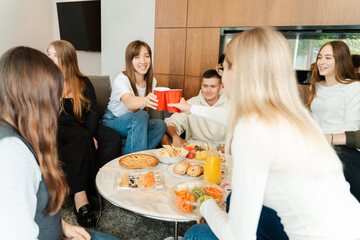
[{"x": 80, "y": 24}]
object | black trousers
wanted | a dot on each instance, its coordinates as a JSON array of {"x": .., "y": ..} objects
[
  {"x": 350, "y": 158},
  {"x": 109, "y": 145},
  {"x": 80, "y": 159}
]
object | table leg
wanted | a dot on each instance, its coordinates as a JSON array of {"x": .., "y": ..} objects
[
  {"x": 176, "y": 231},
  {"x": 101, "y": 211}
]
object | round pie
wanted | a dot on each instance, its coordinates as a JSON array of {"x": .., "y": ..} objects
[{"x": 138, "y": 161}]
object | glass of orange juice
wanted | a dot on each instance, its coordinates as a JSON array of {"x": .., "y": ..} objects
[{"x": 212, "y": 170}]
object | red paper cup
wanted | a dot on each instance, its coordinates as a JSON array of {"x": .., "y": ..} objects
[
  {"x": 160, "y": 93},
  {"x": 173, "y": 96}
]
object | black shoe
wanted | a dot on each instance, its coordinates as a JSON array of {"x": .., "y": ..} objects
[{"x": 85, "y": 217}]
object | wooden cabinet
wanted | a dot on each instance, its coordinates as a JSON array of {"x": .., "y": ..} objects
[
  {"x": 169, "y": 51},
  {"x": 170, "y": 13},
  {"x": 187, "y": 32},
  {"x": 240, "y": 13},
  {"x": 170, "y": 81},
  {"x": 202, "y": 50},
  {"x": 191, "y": 86}
]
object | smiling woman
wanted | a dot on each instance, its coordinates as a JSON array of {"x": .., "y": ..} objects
[
  {"x": 130, "y": 98},
  {"x": 335, "y": 104},
  {"x": 333, "y": 83}
]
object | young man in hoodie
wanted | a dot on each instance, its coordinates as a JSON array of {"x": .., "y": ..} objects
[{"x": 199, "y": 129}]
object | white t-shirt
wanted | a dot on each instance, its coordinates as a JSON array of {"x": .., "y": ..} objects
[
  {"x": 336, "y": 109},
  {"x": 20, "y": 177},
  {"x": 121, "y": 86},
  {"x": 309, "y": 209}
]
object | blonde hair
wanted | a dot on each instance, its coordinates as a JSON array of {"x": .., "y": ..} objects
[
  {"x": 68, "y": 64},
  {"x": 264, "y": 88}
]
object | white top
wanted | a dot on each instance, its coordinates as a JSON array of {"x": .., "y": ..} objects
[
  {"x": 20, "y": 177},
  {"x": 121, "y": 86},
  {"x": 309, "y": 209},
  {"x": 217, "y": 114},
  {"x": 196, "y": 128},
  {"x": 336, "y": 109}
]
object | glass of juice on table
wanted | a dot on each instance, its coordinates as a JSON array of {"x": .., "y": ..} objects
[{"x": 212, "y": 170}]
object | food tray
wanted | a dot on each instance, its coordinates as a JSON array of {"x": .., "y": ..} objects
[
  {"x": 139, "y": 180},
  {"x": 187, "y": 199}
]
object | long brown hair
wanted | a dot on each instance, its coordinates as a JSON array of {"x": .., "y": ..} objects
[
  {"x": 344, "y": 69},
  {"x": 31, "y": 86},
  {"x": 68, "y": 64},
  {"x": 132, "y": 50}
]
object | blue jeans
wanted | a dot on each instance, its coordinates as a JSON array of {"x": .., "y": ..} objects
[
  {"x": 141, "y": 133},
  {"x": 269, "y": 227},
  {"x": 101, "y": 236}
]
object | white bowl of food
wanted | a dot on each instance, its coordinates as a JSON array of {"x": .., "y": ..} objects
[{"x": 170, "y": 154}]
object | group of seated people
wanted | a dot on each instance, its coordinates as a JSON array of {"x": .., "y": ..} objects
[{"x": 288, "y": 180}]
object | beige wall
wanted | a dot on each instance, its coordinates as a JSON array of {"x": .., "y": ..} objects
[{"x": 28, "y": 23}]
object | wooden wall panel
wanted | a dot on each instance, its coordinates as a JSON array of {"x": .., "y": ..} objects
[
  {"x": 170, "y": 13},
  {"x": 176, "y": 82},
  {"x": 170, "y": 81},
  {"x": 202, "y": 50},
  {"x": 162, "y": 80},
  {"x": 169, "y": 51},
  {"x": 191, "y": 86},
  {"x": 236, "y": 13}
]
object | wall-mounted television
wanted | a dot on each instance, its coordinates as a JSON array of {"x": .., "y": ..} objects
[{"x": 80, "y": 24}]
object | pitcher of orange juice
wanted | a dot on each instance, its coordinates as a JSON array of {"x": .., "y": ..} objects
[{"x": 212, "y": 170}]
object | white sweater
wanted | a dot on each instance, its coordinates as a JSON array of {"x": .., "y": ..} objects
[
  {"x": 336, "y": 109},
  {"x": 309, "y": 209},
  {"x": 198, "y": 129},
  {"x": 20, "y": 177}
]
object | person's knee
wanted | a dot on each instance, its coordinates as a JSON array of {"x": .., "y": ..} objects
[
  {"x": 200, "y": 232},
  {"x": 140, "y": 116},
  {"x": 161, "y": 126}
]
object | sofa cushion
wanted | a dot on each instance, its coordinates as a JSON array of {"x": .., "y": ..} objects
[{"x": 102, "y": 88}]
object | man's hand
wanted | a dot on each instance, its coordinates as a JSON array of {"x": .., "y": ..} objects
[
  {"x": 178, "y": 141},
  {"x": 200, "y": 219},
  {"x": 182, "y": 105}
]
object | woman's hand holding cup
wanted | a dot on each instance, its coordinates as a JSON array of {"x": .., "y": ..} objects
[{"x": 151, "y": 101}]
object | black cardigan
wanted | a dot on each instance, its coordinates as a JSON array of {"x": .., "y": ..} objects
[{"x": 89, "y": 117}]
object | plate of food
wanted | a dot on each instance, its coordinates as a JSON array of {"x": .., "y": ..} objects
[
  {"x": 188, "y": 196},
  {"x": 138, "y": 161},
  {"x": 170, "y": 154},
  {"x": 186, "y": 170}
]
